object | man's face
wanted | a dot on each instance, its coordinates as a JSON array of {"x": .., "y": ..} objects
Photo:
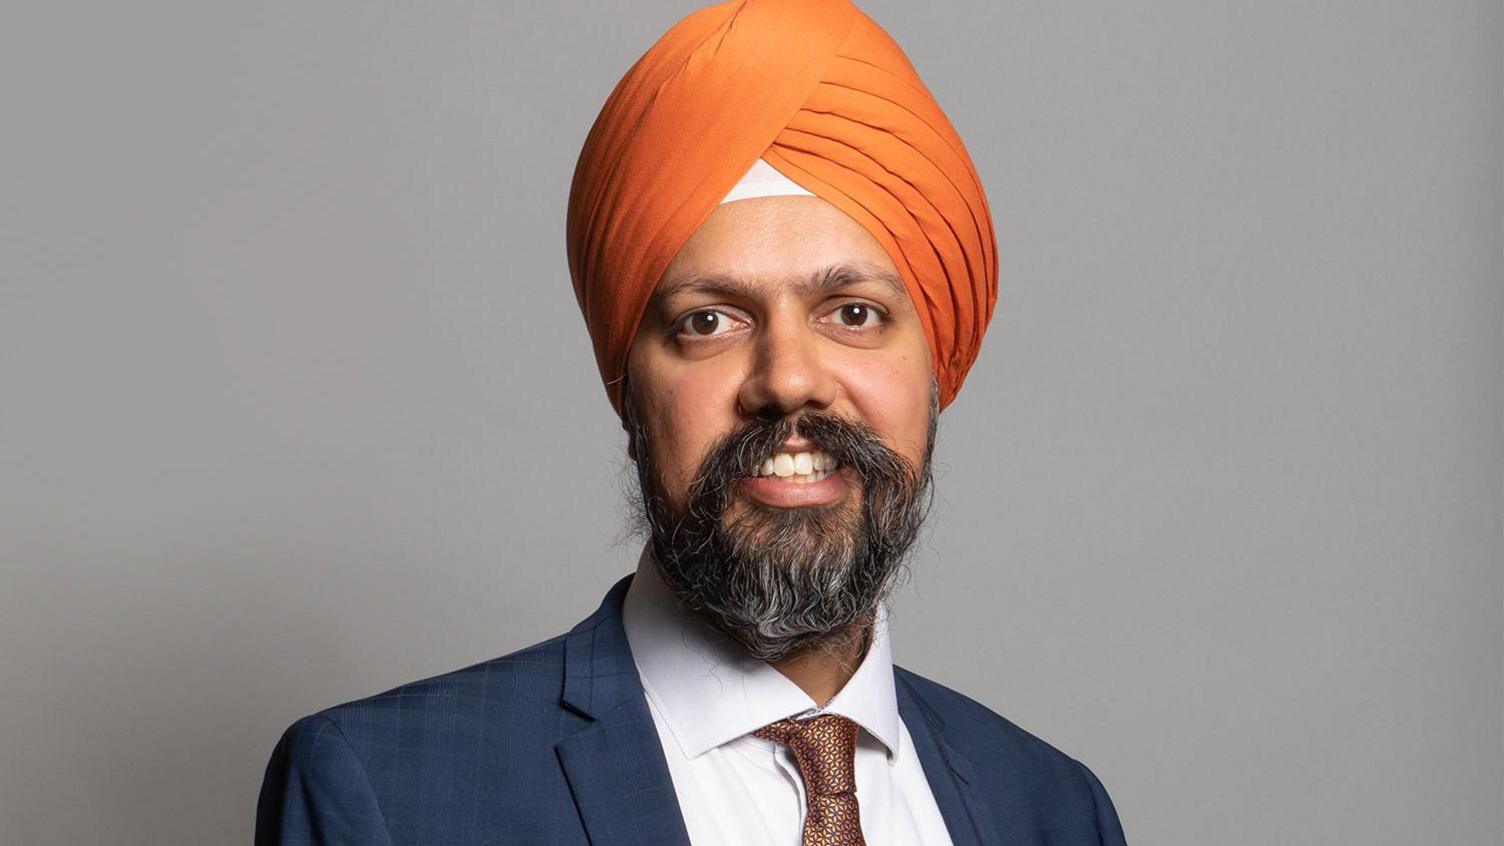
[{"x": 780, "y": 329}]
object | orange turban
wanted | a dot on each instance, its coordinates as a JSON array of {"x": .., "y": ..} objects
[{"x": 822, "y": 93}]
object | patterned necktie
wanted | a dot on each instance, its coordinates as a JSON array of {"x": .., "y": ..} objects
[{"x": 824, "y": 749}]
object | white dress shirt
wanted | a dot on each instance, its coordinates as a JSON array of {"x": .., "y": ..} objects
[{"x": 706, "y": 693}]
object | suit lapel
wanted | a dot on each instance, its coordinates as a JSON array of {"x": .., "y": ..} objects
[
  {"x": 615, "y": 765},
  {"x": 952, "y": 778}
]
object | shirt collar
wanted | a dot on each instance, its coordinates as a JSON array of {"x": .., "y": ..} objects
[{"x": 709, "y": 691}]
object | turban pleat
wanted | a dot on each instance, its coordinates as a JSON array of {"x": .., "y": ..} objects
[{"x": 825, "y": 96}]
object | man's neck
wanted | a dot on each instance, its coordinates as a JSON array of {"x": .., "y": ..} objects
[{"x": 823, "y": 670}]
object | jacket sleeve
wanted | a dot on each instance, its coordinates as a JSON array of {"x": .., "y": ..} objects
[
  {"x": 1109, "y": 829},
  {"x": 316, "y": 791}
]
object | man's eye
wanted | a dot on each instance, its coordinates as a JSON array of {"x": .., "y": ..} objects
[
  {"x": 856, "y": 315},
  {"x": 705, "y": 323}
]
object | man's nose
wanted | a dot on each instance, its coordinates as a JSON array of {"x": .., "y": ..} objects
[{"x": 788, "y": 370}]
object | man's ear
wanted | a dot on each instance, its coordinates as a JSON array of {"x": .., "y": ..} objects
[{"x": 626, "y": 425}]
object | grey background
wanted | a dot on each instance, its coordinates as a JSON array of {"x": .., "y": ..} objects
[{"x": 296, "y": 403}]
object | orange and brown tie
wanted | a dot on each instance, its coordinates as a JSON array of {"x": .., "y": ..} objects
[{"x": 824, "y": 749}]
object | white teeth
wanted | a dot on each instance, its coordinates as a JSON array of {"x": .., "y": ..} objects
[
  {"x": 783, "y": 464},
  {"x": 804, "y": 464},
  {"x": 799, "y": 467}
]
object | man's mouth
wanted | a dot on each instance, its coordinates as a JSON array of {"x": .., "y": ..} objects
[{"x": 798, "y": 468}]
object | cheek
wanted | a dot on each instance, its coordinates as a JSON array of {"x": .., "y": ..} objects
[
  {"x": 689, "y": 415},
  {"x": 893, "y": 397},
  {"x": 680, "y": 411}
]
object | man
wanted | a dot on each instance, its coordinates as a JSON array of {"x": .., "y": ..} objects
[{"x": 786, "y": 263}]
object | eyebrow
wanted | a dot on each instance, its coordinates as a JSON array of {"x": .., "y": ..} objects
[{"x": 826, "y": 279}]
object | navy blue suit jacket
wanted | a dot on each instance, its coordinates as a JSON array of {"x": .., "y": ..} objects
[{"x": 554, "y": 744}]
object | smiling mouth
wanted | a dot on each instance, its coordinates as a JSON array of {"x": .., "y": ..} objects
[{"x": 797, "y": 468}]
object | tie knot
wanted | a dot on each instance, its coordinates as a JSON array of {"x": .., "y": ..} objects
[{"x": 824, "y": 748}]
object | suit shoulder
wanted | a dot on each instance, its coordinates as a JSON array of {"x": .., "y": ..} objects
[
  {"x": 507, "y": 689},
  {"x": 995, "y": 743},
  {"x": 959, "y": 711},
  {"x": 415, "y": 760}
]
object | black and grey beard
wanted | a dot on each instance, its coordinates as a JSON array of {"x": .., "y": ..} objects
[{"x": 783, "y": 581}]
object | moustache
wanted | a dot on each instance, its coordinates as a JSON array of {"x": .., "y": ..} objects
[
  {"x": 741, "y": 453},
  {"x": 781, "y": 581}
]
